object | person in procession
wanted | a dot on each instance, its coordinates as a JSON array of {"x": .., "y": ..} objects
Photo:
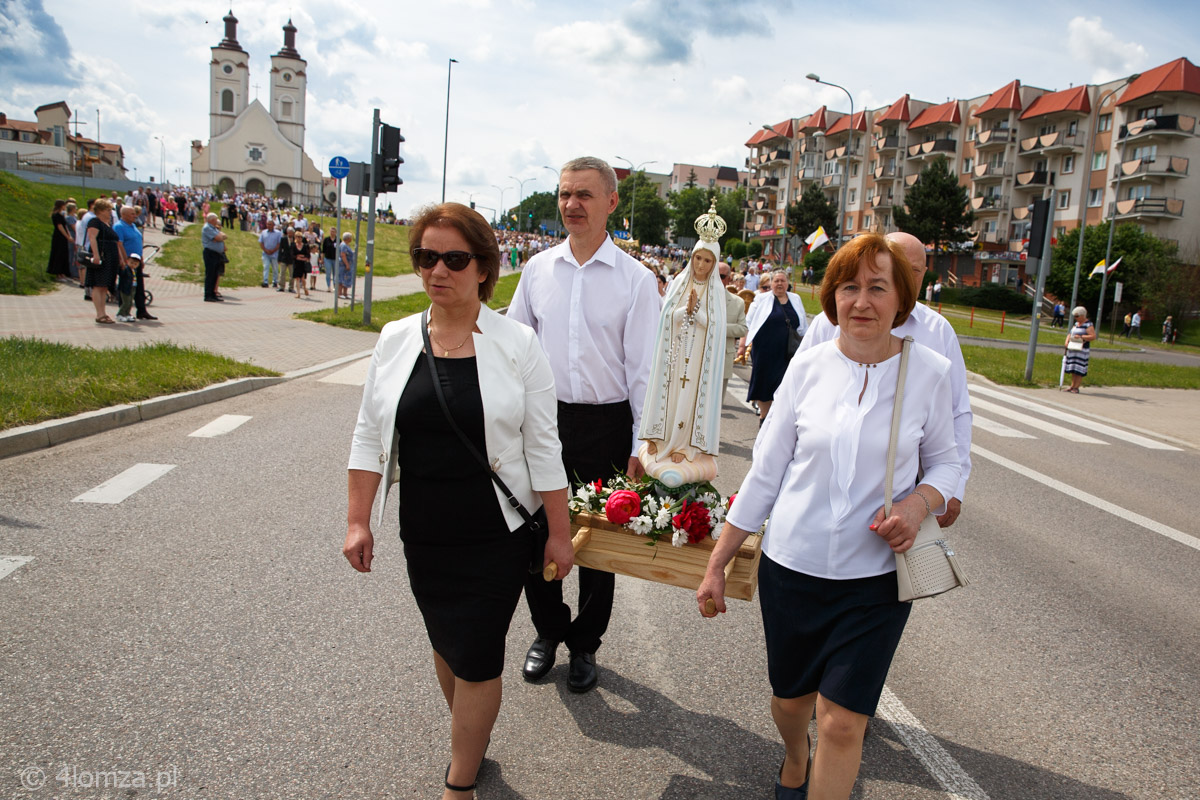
[
  {"x": 818, "y": 474},
  {"x": 467, "y": 549},
  {"x": 595, "y": 310},
  {"x": 772, "y": 318}
]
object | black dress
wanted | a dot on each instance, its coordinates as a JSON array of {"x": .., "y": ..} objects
[
  {"x": 104, "y": 274},
  {"x": 301, "y": 263},
  {"x": 465, "y": 567},
  {"x": 60, "y": 248},
  {"x": 769, "y": 354}
]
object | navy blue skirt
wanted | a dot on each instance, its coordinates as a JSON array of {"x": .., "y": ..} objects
[{"x": 836, "y": 637}]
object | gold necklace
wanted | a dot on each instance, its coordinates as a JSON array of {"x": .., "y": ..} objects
[{"x": 446, "y": 351}]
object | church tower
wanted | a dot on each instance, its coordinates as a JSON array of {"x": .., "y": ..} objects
[
  {"x": 289, "y": 88},
  {"x": 229, "y": 80}
]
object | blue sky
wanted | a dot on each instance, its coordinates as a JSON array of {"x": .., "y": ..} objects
[{"x": 538, "y": 83}]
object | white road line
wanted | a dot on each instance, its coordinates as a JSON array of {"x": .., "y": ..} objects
[
  {"x": 9, "y": 564},
  {"x": 953, "y": 778},
  {"x": 1091, "y": 499},
  {"x": 998, "y": 428},
  {"x": 1062, "y": 416},
  {"x": 116, "y": 489},
  {"x": 353, "y": 375},
  {"x": 738, "y": 389},
  {"x": 1034, "y": 422},
  {"x": 221, "y": 425}
]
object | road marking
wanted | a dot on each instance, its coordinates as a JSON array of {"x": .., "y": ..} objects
[
  {"x": 1091, "y": 499},
  {"x": 940, "y": 764},
  {"x": 10, "y": 564},
  {"x": 1062, "y": 416},
  {"x": 116, "y": 489},
  {"x": 998, "y": 428},
  {"x": 221, "y": 425},
  {"x": 353, "y": 375},
  {"x": 738, "y": 389},
  {"x": 1034, "y": 422}
]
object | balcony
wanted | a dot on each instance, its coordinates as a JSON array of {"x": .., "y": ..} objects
[
  {"x": 1034, "y": 179},
  {"x": 1147, "y": 169},
  {"x": 932, "y": 149},
  {"x": 1148, "y": 207},
  {"x": 1165, "y": 125},
  {"x": 833, "y": 181},
  {"x": 806, "y": 174},
  {"x": 837, "y": 153},
  {"x": 990, "y": 237},
  {"x": 1016, "y": 245},
  {"x": 1021, "y": 213},
  {"x": 996, "y": 137},
  {"x": 885, "y": 143},
  {"x": 883, "y": 201},
  {"x": 991, "y": 173},
  {"x": 775, "y": 155},
  {"x": 1055, "y": 142},
  {"x": 887, "y": 173},
  {"x": 770, "y": 184},
  {"x": 989, "y": 203}
]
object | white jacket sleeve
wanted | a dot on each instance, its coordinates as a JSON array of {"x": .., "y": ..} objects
[{"x": 366, "y": 447}]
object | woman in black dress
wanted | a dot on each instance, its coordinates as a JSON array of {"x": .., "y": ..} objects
[
  {"x": 301, "y": 265},
  {"x": 104, "y": 247},
  {"x": 771, "y": 319},
  {"x": 468, "y": 551},
  {"x": 60, "y": 242}
]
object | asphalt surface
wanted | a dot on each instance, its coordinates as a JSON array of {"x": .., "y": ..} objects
[{"x": 208, "y": 632}]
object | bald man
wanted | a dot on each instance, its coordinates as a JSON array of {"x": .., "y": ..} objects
[{"x": 928, "y": 328}]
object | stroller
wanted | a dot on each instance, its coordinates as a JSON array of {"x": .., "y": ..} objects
[{"x": 169, "y": 226}]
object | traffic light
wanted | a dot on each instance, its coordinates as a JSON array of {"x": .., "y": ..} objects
[
  {"x": 388, "y": 173},
  {"x": 1037, "y": 229},
  {"x": 472, "y": 204}
]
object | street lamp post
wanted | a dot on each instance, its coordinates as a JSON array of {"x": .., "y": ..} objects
[
  {"x": 849, "y": 145},
  {"x": 446, "y": 137},
  {"x": 522, "y": 193},
  {"x": 501, "y": 190},
  {"x": 633, "y": 200},
  {"x": 162, "y": 162},
  {"x": 1112, "y": 221},
  {"x": 557, "y": 181}
]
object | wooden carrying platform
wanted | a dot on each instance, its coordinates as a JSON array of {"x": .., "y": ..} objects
[{"x": 613, "y": 548}]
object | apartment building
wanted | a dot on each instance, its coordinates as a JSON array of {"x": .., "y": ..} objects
[
  {"x": 1123, "y": 148},
  {"x": 47, "y": 142},
  {"x": 722, "y": 179}
]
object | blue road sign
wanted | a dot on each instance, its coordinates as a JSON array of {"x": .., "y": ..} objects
[{"x": 339, "y": 167}]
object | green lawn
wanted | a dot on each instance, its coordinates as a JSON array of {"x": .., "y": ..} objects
[
  {"x": 245, "y": 256},
  {"x": 385, "y": 311},
  {"x": 41, "y": 380},
  {"x": 1007, "y": 367},
  {"x": 25, "y": 216}
]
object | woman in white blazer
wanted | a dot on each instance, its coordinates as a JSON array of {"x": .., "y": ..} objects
[
  {"x": 769, "y": 321},
  {"x": 467, "y": 549}
]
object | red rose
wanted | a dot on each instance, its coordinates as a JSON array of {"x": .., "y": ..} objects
[
  {"x": 598, "y": 485},
  {"x": 729, "y": 502},
  {"x": 693, "y": 518},
  {"x": 622, "y": 506}
]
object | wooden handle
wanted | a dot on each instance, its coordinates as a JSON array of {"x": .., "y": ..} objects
[
  {"x": 550, "y": 571},
  {"x": 710, "y": 605}
]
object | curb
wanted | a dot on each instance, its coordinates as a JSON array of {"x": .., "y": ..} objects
[{"x": 28, "y": 438}]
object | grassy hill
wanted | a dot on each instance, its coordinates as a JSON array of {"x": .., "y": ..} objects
[{"x": 25, "y": 216}]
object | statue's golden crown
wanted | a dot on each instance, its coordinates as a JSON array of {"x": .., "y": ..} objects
[{"x": 710, "y": 227}]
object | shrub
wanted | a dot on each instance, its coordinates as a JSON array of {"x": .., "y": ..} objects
[{"x": 989, "y": 295}]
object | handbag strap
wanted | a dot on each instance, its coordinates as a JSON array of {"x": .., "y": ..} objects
[
  {"x": 474, "y": 451},
  {"x": 896, "y": 408}
]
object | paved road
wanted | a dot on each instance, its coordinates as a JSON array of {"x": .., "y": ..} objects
[{"x": 207, "y": 628}]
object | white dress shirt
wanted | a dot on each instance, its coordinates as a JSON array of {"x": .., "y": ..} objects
[
  {"x": 821, "y": 455},
  {"x": 931, "y": 329},
  {"x": 596, "y": 321}
]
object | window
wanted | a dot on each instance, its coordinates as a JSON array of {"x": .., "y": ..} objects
[
  {"x": 1064, "y": 199},
  {"x": 1138, "y": 192},
  {"x": 1104, "y": 123},
  {"x": 967, "y": 164},
  {"x": 867, "y": 223},
  {"x": 26, "y": 136},
  {"x": 6, "y": 135},
  {"x": 1099, "y": 160},
  {"x": 1095, "y": 198},
  {"x": 1147, "y": 152},
  {"x": 989, "y": 226},
  {"x": 1042, "y": 131},
  {"x": 1060, "y": 232},
  {"x": 871, "y": 168},
  {"x": 285, "y": 108},
  {"x": 854, "y": 170},
  {"x": 1068, "y": 164},
  {"x": 1041, "y": 165},
  {"x": 997, "y": 160},
  {"x": 227, "y": 101},
  {"x": 58, "y": 136},
  {"x": 1071, "y": 128},
  {"x": 971, "y": 133},
  {"x": 848, "y": 224},
  {"x": 1147, "y": 113},
  {"x": 853, "y": 196}
]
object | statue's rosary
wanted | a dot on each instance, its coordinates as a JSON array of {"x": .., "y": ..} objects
[{"x": 687, "y": 330}]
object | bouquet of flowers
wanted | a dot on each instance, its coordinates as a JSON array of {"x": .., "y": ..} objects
[{"x": 649, "y": 508}]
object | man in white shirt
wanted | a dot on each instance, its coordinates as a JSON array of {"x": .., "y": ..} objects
[
  {"x": 929, "y": 328},
  {"x": 752, "y": 281},
  {"x": 595, "y": 310}
]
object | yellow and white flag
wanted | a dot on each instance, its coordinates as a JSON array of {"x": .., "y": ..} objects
[
  {"x": 1100, "y": 268},
  {"x": 816, "y": 238}
]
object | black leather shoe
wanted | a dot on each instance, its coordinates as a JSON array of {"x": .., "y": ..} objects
[
  {"x": 149, "y": 317},
  {"x": 582, "y": 676},
  {"x": 539, "y": 659}
]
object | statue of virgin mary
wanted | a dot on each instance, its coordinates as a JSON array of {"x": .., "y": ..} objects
[{"x": 681, "y": 418}]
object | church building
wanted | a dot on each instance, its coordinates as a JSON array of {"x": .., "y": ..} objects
[{"x": 252, "y": 148}]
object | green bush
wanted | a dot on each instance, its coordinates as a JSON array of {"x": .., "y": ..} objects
[
  {"x": 754, "y": 249},
  {"x": 818, "y": 260},
  {"x": 989, "y": 295},
  {"x": 735, "y": 248}
]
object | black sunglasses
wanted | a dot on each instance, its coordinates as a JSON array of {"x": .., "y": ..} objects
[{"x": 455, "y": 260}]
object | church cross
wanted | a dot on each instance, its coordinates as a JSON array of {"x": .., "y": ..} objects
[{"x": 256, "y": 91}]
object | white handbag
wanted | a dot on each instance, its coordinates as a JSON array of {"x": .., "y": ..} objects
[{"x": 929, "y": 567}]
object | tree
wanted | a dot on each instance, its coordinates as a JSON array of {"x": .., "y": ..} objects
[
  {"x": 935, "y": 207},
  {"x": 686, "y": 205},
  {"x": 729, "y": 206},
  {"x": 543, "y": 206},
  {"x": 691, "y": 181},
  {"x": 650, "y": 214},
  {"x": 811, "y": 211},
  {"x": 754, "y": 248}
]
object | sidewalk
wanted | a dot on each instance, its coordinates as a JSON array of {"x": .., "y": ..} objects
[{"x": 254, "y": 325}]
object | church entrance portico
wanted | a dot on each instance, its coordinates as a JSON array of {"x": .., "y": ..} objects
[
  {"x": 284, "y": 192},
  {"x": 225, "y": 186},
  {"x": 255, "y": 186}
]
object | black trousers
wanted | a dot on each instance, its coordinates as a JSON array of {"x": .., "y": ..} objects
[
  {"x": 596, "y": 443},
  {"x": 212, "y": 267},
  {"x": 139, "y": 292}
]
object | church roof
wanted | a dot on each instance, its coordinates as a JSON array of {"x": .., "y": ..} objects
[
  {"x": 1006, "y": 98},
  {"x": 1075, "y": 99},
  {"x": 289, "y": 42},
  {"x": 230, "y": 41},
  {"x": 1179, "y": 75}
]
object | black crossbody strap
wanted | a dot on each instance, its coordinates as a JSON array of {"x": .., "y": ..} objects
[{"x": 479, "y": 457}]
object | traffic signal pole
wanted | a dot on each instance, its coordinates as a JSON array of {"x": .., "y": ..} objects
[{"x": 371, "y": 219}]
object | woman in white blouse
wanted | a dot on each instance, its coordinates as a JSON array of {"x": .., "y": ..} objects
[{"x": 827, "y": 582}]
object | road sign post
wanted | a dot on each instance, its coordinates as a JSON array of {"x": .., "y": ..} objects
[{"x": 339, "y": 168}]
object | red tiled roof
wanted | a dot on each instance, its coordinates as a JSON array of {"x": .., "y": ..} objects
[
  {"x": 1003, "y": 99},
  {"x": 758, "y": 136},
  {"x": 897, "y": 112},
  {"x": 945, "y": 113},
  {"x": 816, "y": 120},
  {"x": 1179, "y": 75},
  {"x": 843, "y": 124},
  {"x": 1075, "y": 99},
  {"x": 784, "y": 129}
]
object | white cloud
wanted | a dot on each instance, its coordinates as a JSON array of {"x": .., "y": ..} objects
[
  {"x": 733, "y": 89},
  {"x": 1108, "y": 57}
]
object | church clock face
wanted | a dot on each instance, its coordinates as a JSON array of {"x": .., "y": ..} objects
[
  {"x": 228, "y": 69},
  {"x": 287, "y": 76}
]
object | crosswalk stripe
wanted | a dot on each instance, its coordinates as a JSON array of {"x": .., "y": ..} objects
[
  {"x": 10, "y": 564},
  {"x": 1062, "y": 416},
  {"x": 352, "y": 375},
  {"x": 1034, "y": 422},
  {"x": 998, "y": 428},
  {"x": 117, "y": 488},
  {"x": 220, "y": 426}
]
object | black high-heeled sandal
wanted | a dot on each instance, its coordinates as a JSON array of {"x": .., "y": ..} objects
[
  {"x": 794, "y": 793},
  {"x": 454, "y": 788}
]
